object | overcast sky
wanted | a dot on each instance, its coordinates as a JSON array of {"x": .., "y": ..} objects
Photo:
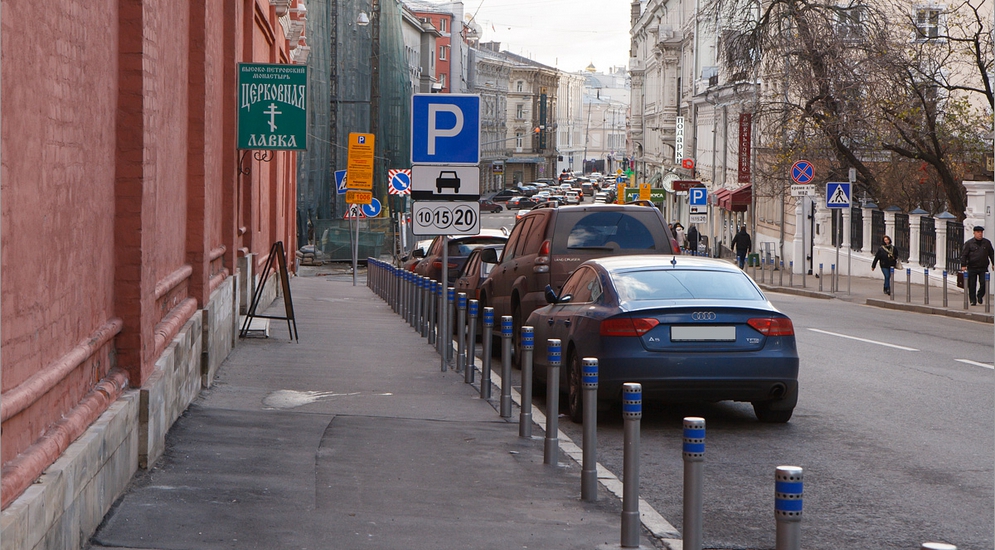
[{"x": 566, "y": 34}]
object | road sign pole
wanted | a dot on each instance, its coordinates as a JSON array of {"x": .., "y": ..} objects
[{"x": 355, "y": 251}]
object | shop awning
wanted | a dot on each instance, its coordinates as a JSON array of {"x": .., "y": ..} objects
[
  {"x": 735, "y": 201},
  {"x": 719, "y": 196}
]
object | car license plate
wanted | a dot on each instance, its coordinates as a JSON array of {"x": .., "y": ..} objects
[{"x": 703, "y": 334}]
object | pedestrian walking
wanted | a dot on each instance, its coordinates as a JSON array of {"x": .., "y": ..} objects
[
  {"x": 887, "y": 256},
  {"x": 975, "y": 258},
  {"x": 692, "y": 237},
  {"x": 679, "y": 235},
  {"x": 743, "y": 245}
]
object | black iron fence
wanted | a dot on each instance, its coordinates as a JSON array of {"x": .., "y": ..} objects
[
  {"x": 856, "y": 228},
  {"x": 877, "y": 228},
  {"x": 955, "y": 241},
  {"x": 927, "y": 242},
  {"x": 903, "y": 237}
]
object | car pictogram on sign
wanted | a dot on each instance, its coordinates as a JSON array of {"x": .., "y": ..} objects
[{"x": 447, "y": 180}]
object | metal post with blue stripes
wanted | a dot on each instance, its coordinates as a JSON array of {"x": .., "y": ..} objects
[
  {"x": 551, "y": 444},
  {"x": 694, "y": 480},
  {"x": 433, "y": 294},
  {"x": 589, "y": 466},
  {"x": 632, "y": 414},
  {"x": 460, "y": 331},
  {"x": 486, "y": 342},
  {"x": 448, "y": 325},
  {"x": 471, "y": 341},
  {"x": 525, "y": 414},
  {"x": 788, "y": 507},
  {"x": 507, "y": 325}
]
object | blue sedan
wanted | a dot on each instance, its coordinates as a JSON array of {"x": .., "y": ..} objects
[{"x": 686, "y": 328}]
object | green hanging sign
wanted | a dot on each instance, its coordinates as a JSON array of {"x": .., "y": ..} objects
[{"x": 272, "y": 106}]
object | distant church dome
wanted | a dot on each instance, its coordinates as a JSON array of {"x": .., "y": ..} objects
[{"x": 590, "y": 68}]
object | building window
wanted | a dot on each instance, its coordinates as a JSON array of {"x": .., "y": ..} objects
[
  {"x": 521, "y": 85},
  {"x": 519, "y": 140},
  {"x": 442, "y": 80},
  {"x": 520, "y": 111},
  {"x": 849, "y": 23},
  {"x": 929, "y": 22},
  {"x": 442, "y": 52},
  {"x": 442, "y": 25}
]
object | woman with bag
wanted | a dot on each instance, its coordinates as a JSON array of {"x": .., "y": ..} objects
[{"x": 887, "y": 256}]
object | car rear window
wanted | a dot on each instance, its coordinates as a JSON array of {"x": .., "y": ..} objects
[
  {"x": 615, "y": 230},
  {"x": 672, "y": 284},
  {"x": 464, "y": 247}
]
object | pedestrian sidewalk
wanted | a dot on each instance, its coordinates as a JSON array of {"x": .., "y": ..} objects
[
  {"x": 870, "y": 291},
  {"x": 353, "y": 438}
]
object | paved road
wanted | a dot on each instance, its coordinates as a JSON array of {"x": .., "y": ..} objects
[{"x": 894, "y": 428}]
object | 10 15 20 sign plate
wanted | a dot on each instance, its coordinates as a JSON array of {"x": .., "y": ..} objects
[{"x": 429, "y": 218}]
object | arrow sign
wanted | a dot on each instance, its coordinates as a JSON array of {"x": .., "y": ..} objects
[{"x": 372, "y": 210}]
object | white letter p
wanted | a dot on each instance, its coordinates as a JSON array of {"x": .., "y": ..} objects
[{"x": 434, "y": 132}]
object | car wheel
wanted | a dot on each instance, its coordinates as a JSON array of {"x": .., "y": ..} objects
[
  {"x": 765, "y": 414},
  {"x": 498, "y": 208},
  {"x": 575, "y": 391}
]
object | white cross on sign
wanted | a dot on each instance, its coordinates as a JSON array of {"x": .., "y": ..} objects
[{"x": 272, "y": 112}]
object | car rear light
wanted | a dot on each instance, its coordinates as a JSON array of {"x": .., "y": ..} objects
[
  {"x": 627, "y": 326},
  {"x": 773, "y": 326},
  {"x": 676, "y": 247},
  {"x": 541, "y": 264}
]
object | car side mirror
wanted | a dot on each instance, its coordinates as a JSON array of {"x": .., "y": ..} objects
[
  {"x": 489, "y": 256},
  {"x": 551, "y": 296},
  {"x": 418, "y": 253}
]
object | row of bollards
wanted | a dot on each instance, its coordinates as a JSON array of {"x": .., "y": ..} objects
[{"x": 419, "y": 301}]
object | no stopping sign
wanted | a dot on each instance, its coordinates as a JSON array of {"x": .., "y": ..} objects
[{"x": 445, "y": 218}]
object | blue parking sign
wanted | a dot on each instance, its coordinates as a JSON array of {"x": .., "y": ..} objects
[
  {"x": 697, "y": 196},
  {"x": 445, "y": 129}
]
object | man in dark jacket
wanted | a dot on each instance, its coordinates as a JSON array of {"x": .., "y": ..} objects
[
  {"x": 743, "y": 245},
  {"x": 975, "y": 258},
  {"x": 692, "y": 236}
]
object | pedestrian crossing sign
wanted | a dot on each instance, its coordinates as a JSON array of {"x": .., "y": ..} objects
[{"x": 837, "y": 194}]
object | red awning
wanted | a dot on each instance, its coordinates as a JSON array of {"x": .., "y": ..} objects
[
  {"x": 735, "y": 201},
  {"x": 720, "y": 195}
]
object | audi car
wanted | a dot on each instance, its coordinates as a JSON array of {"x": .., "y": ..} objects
[{"x": 686, "y": 328}]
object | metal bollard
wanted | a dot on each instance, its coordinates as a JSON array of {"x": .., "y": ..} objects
[
  {"x": 763, "y": 270},
  {"x": 551, "y": 447},
  {"x": 780, "y": 275},
  {"x": 694, "y": 474},
  {"x": 486, "y": 341},
  {"x": 506, "y": 335},
  {"x": 965, "y": 290},
  {"x": 460, "y": 331},
  {"x": 408, "y": 296},
  {"x": 894, "y": 284},
  {"x": 937, "y": 546},
  {"x": 450, "y": 319},
  {"x": 418, "y": 284},
  {"x": 589, "y": 468},
  {"x": 632, "y": 413},
  {"x": 525, "y": 415},
  {"x": 791, "y": 274},
  {"x": 987, "y": 293},
  {"x": 820, "y": 277},
  {"x": 945, "y": 288},
  {"x": 925, "y": 287},
  {"x": 908, "y": 285},
  {"x": 433, "y": 300},
  {"x": 832, "y": 278},
  {"x": 426, "y": 305},
  {"x": 471, "y": 340},
  {"x": 788, "y": 507}
]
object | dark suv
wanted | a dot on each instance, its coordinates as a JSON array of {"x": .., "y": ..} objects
[{"x": 548, "y": 243}]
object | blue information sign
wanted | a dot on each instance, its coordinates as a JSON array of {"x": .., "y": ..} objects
[{"x": 445, "y": 129}]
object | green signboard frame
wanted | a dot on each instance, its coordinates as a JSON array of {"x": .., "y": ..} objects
[
  {"x": 272, "y": 106},
  {"x": 656, "y": 194}
]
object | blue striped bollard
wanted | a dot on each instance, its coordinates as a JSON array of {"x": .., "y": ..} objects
[
  {"x": 551, "y": 444},
  {"x": 426, "y": 298},
  {"x": 987, "y": 292},
  {"x": 788, "y": 507},
  {"x": 945, "y": 301},
  {"x": 925, "y": 286},
  {"x": 891, "y": 289},
  {"x": 460, "y": 331},
  {"x": 471, "y": 340},
  {"x": 486, "y": 342},
  {"x": 632, "y": 413},
  {"x": 820, "y": 277},
  {"x": 791, "y": 274},
  {"x": 694, "y": 474},
  {"x": 780, "y": 274},
  {"x": 448, "y": 325},
  {"x": 589, "y": 468},
  {"x": 525, "y": 414},
  {"x": 433, "y": 300},
  {"x": 908, "y": 285},
  {"x": 832, "y": 278},
  {"x": 506, "y": 334}
]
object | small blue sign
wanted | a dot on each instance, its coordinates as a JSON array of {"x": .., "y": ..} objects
[
  {"x": 620, "y": 179},
  {"x": 838, "y": 194},
  {"x": 802, "y": 172},
  {"x": 445, "y": 129},
  {"x": 401, "y": 181},
  {"x": 340, "y": 182},
  {"x": 697, "y": 196},
  {"x": 372, "y": 210}
]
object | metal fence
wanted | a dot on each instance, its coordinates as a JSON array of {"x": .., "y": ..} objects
[
  {"x": 856, "y": 228},
  {"x": 903, "y": 237},
  {"x": 927, "y": 242},
  {"x": 955, "y": 241},
  {"x": 877, "y": 228}
]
